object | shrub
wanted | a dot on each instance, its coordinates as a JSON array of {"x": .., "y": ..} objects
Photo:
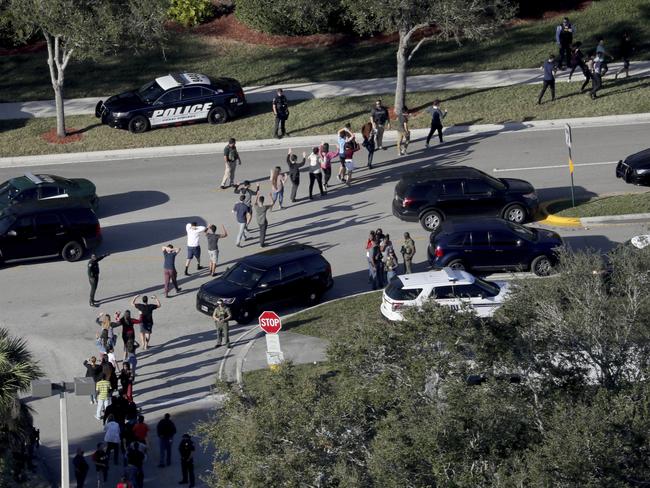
[
  {"x": 190, "y": 12},
  {"x": 288, "y": 17}
]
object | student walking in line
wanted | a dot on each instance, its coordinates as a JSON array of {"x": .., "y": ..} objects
[
  {"x": 315, "y": 173},
  {"x": 100, "y": 460},
  {"x": 93, "y": 276},
  {"x": 550, "y": 68},
  {"x": 600, "y": 50},
  {"x": 277, "y": 180},
  {"x": 146, "y": 317},
  {"x": 186, "y": 450},
  {"x": 294, "y": 172},
  {"x": 577, "y": 58},
  {"x": 436, "y": 121},
  {"x": 169, "y": 268},
  {"x": 369, "y": 243},
  {"x": 368, "y": 134},
  {"x": 390, "y": 264},
  {"x": 587, "y": 68},
  {"x": 626, "y": 49},
  {"x": 596, "y": 75},
  {"x": 194, "y": 231},
  {"x": 103, "y": 388},
  {"x": 564, "y": 38},
  {"x": 112, "y": 438},
  {"x": 326, "y": 157},
  {"x": 261, "y": 210},
  {"x": 128, "y": 330},
  {"x": 377, "y": 263},
  {"x": 80, "y": 468},
  {"x": 351, "y": 147},
  {"x": 404, "y": 134},
  {"x": 105, "y": 334},
  {"x": 281, "y": 113},
  {"x": 241, "y": 211},
  {"x": 221, "y": 315},
  {"x": 231, "y": 159},
  {"x": 380, "y": 121},
  {"x": 166, "y": 431},
  {"x": 213, "y": 246},
  {"x": 408, "y": 251},
  {"x": 94, "y": 371},
  {"x": 126, "y": 380},
  {"x": 344, "y": 135},
  {"x": 245, "y": 189}
]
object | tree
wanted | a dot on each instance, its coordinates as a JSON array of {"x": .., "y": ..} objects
[
  {"x": 428, "y": 19},
  {"x": 89, "y": 30}
]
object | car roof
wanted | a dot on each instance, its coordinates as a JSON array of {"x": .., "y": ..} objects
[
  {"x": 464, "y": 225},
  {"x": 174, "y": 80},
  {"x": 280, "y": 255},
  {"x": 443, "y": 277},
  {"x": 424, "y": 175},
  {"x": 36, "y": 206},
  {"x": 642, "y": 157},
  {"x": 30, "y": 180}
]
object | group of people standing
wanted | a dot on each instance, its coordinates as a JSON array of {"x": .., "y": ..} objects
[{"x": 382, "y": 259}]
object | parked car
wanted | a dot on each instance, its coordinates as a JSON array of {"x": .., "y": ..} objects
[
  {"x": 635, "y": 169},
  {"x": 431, "y": 196},
  {"x": 493, "y": 244},
  {"x": 273, "y": 278},
  {"x": 48, "y": 228},
  {"x": 448, "y": 287},
  {"x": 30, "y": 187},
  {"x": 174, "y": 99}
]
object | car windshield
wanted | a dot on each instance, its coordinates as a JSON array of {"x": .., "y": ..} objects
[
  {"x": 150, "y": 92},
  {"x": 244, "y": 275},
  {"x": 5, "y": 223},
  {"x": 396, "y": 291},
  {"x": 491, "y": 289},
  {"x": 7, "y": 192},
  {"x": 522, "y": 231}
]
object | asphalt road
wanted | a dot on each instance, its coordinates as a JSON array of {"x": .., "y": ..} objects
[{"x": 146, "y": 203}]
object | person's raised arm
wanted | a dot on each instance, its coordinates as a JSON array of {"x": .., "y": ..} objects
[
  {"x": 134, "y": 299},
  {"x": 158, "y": 304},
  {"x": 224, "y": 232}
]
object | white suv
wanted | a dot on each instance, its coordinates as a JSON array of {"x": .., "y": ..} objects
[{"x": 448, "y": 287}]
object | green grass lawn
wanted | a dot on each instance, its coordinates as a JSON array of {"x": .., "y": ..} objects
[
  {"x": 325, "y": 116},
  {"x": 614, "y": 205},
  {"x": 25, "y": 77}
]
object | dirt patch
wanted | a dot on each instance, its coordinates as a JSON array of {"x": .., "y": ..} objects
[{"x": 72, "y": 135}]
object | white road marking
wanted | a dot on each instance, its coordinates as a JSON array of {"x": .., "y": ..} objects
[{"x": 553, "y": 166}]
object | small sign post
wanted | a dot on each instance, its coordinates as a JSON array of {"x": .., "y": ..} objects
[
  {"x": 569, "y": 141},
  {"x": 271, "y": 324}
]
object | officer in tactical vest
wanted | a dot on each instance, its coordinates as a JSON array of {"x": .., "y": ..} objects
[
  {"x": 221, "y": 316},
  {"x": 281, "y": 112},
  {"x": 93, "y": 276},
  {"x": 564, "y": 38},
  {"x": 408, "y": 251}
]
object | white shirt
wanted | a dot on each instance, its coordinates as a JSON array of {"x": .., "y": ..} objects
[
  {"x": 314, "y": 163},
  {"x": 193, "y": 234}
]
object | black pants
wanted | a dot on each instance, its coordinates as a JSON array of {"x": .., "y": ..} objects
[
  {"x": 294, "y": 189},
  {"x": 588, "y": 78},
  {"x": 94, "y": 281},
  {"x": 379, "y": 278},
  {"x": 432, "y": 131},
  {"x": 547, "y": 84},
  {"x": 187, "y": 470},
  {"x": 263, "y": 233},
  {"x": 80, "y": 478},
  {"x": 312, "y": 178},
  {"x": 115, "y": 447},
  {"x": 596, "y": 84},
  {"x": 279, "y": 129},
  {"x": 371, "y": 152},
  {"x": 565, "y": 54},
  {"x": 327, "y": 174}
]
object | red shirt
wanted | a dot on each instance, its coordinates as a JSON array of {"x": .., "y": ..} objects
[{"x": 140, "y": 431}]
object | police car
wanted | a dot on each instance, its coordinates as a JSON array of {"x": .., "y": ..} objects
[
  {"x": 174, "y": 99},
  {"x": 448, "y": 287},
  {"x": 30, "y": 187}
]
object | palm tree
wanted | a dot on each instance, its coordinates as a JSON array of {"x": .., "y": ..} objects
[{"x": 17, "y": 369}]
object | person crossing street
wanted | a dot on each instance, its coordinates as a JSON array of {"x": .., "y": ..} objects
[
  {"x": 221, "y": 316},
  {"x": 169, "y": 268},
  {"x": 231, "y": 159}
]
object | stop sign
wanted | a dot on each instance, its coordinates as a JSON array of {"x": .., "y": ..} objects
[{"x": 270, "y": 322}]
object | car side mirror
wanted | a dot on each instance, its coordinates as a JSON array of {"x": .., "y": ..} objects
[{"x": 12, "y": 233}]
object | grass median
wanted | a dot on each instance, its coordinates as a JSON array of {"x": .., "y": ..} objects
[
  {"x": 632, "y": 203},
  {"x": 326, "y": 116},
  {"x": 525, "y": 44}
]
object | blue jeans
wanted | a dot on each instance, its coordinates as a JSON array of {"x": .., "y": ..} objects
[
  {"x": 165, "y": 444},
  {"x": 242, "y": 232},
  {"x": 278, "y": 195}
]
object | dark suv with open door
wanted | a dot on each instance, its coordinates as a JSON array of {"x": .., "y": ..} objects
[
  {"x": 275, "y": 278},
  {"x": 46, "y": 228},
  {"x": 433, "y": 195}
]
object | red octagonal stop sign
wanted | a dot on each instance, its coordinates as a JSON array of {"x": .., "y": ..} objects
[{"x": 270, "y": 322}]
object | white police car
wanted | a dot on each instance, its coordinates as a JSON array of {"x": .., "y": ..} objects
[
  {"x": 172, "y": 100},
  {"x": 447, "y": 287}
]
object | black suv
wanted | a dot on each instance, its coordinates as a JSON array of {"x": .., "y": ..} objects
[
  {"x": 433, "y": 195},
  {"x": 271, "y": 278},
  {"x": 493, "y": 244},
  {"x": 48, "y": 228},
  {"x": 635, "y": 169}
]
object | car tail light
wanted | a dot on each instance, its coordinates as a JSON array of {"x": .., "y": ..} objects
[
  {"x": 407, "y": 201},
  {"x": 438, "y": 252},
  {"x": 240, "y": 94},
  {"x": 396, "y": 306},
  {"x": 98, "y": 230}
]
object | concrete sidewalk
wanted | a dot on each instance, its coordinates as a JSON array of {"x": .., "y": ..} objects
[{"x": 347, "y": 88}]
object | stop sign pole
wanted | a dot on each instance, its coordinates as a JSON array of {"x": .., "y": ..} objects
[
  {"x": 271, "y": 324},
  {"x": 569, "y": 142}
]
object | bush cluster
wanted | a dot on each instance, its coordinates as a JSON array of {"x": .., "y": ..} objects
[{"x": 191, "y": 12}]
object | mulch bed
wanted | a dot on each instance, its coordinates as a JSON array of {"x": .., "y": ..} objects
[{"x": 72, "y": 135}]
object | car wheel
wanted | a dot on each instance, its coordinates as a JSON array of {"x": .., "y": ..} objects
[
  {"x": 313, "y": 297},
  {"x": 515, "y": 213},
  {"x": 217, "y": 115},
  {"x": 456, "y": 264},
  {"x": 541, "y": 266},
  {"x": 246, "y": 315},
  {"x": 138, "y": 124},
  {"x": 431, "y": 220},
  {"x": 72, "y": 251}
]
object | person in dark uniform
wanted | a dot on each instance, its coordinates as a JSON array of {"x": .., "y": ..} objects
[
  {"x": 564, "y": 38},
  {"x": 281, "y": 112},
  {"x": 93, "y": 276},
  {"x": 626, "y": 49},
  {"x": 221, "y": 316},
  {"x": 186, "y": 450},
  {"x": 380, "y": 121}
]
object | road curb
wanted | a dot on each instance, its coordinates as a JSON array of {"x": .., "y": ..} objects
[
  {"x": 310, "y": 141},
  {"x": 559, "y": 221}
]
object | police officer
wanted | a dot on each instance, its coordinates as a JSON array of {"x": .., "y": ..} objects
[
  {"x": 408, "y": 251},
  {"x": 281, "y": 112},
  {"x": 93, "y": 276},
  {"x": 564, "y": 38},
  {"x": 221, "y": 316},
  {"x": 186, "y": 450}
]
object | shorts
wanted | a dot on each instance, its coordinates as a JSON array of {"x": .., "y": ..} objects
[
  {"x": 146, "y": 328},
  {"x": 349, "y": 165},
  {"x": 213, "y": 255},
  {"x": 193, "y": 252}
]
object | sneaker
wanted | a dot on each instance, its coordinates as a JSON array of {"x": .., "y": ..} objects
[
  {"x": 178, "y": 289},
  {"x": 186, "y": 273}
]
